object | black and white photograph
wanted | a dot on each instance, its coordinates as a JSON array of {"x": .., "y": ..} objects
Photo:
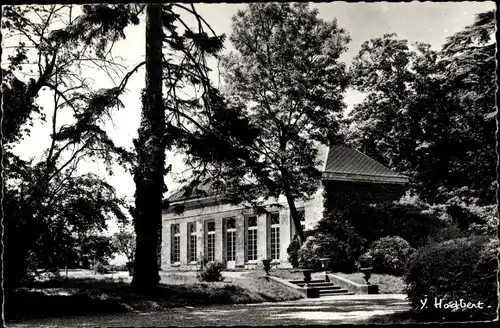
[{"x": 249, "y": 164}]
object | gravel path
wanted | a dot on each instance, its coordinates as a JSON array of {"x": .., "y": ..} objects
[{"x": 326, "y": 310}]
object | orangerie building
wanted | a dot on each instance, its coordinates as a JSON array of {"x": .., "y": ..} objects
[{"x": 234, "y": 235}]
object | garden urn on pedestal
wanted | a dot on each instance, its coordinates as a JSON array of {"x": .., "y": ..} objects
[
  {"x": 366, "y": 274},
  {"x": 307, "y": 275}
]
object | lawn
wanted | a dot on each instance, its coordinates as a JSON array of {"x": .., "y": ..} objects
[
  {"x": 287, "y": 274},
  {"x": 387, "y": 284},
  {"x": 98, "y": 294}
]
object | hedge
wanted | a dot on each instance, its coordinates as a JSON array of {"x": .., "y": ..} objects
[{"x": 454, "y": 270}]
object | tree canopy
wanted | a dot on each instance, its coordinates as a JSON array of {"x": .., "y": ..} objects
[
  {"x": 287, "y": 83},
  {"x": 430, "y": 113}
]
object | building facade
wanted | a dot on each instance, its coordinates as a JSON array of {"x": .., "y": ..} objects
[{"x": 209, "y": 229}]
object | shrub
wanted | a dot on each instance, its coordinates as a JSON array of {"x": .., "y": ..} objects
[
  {"x": 341, "y": 243},
  {"x": 121, "y": 267},
  {"x": 309, "y": 253},
  {"x": 389, "y": 255},
  {"x": 410, "y": 221},
  {"x": 211, "y": 273},
  {"x": 293, "y": 253},
  {"x": 101, "y": 268},
  {"x": 463, "y": 268},
  {"x": 449, "y": 232}
]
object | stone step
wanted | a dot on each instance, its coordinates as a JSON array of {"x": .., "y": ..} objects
[
  {"x": 334, "y": 292},
  {"x": 303, "y": 282},
  {"x": 320, "y": 284},
  {"x": 332, "y": 287},
  {"x": 316, "y": 284}
]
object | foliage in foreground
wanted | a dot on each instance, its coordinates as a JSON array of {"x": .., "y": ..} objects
[{"x": 456, "y": 269}]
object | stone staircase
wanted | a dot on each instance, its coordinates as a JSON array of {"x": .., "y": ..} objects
[{"x": 325, "y": 288}]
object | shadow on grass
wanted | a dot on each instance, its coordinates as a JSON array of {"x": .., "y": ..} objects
[
  {"x": 83, "y": 296},
  {"x": 30, "y": 304}
]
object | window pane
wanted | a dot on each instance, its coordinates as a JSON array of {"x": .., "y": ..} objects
[
  {"x": 230, "y": 245},
  {"x": 275, "y": 243},
  {"x": 231, "y": 224},
  {"x": 176, "y": 245},
  {"x": 193, "y": 241},
  {"x": 211, "y": 226},
  {"x": 252, "y": 245},
  {"x": 211, "y": 247},
  {"x": 176, "y": 240}
]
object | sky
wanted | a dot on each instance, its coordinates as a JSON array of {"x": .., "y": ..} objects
[{"x": 429, "y": 22}]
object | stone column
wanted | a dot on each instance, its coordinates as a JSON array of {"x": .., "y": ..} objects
[
  {"x": 219, "y": 240},
  {"x": 240, "y": 240},
  {"x": 183, "y": 243},
  {"x": 262, "y": 240},
  {"x": 200, "y": 245},
  {"x": 285, "y": 231}
]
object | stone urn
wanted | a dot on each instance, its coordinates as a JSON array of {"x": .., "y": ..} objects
[
  {"x": 366, "y": 274},
  {"x": 307, "y": 275},
  {"x": 267, "y": 265}
]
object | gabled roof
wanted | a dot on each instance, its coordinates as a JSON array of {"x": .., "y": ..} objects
[
  {"x": 342, "y": 163},
  {"x": 347, "y": 164},
  {"x": 201, "y": 191}
]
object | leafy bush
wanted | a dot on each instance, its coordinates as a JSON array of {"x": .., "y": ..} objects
[
  {"x": 121, "y": 267},
  {"x": 293, "y": 253},
  {"x": 388, "y": 255},
  {"x": 101, "y": 268},
  {"x": 211, "y": 273},
  {"x": 449, "y": 232},
  {"x": 309, "y": 253},
  {"x": 339, "y": 241},
  {"x": 463, "y": 268},
  {"x": 410, "y": 221},
  {"x": 124, "y": 243}
]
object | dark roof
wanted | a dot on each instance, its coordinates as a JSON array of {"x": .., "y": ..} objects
[
  {"x": 200, "y": 191},
  {"x": 347, "y": 164},
  {"x": 342, "y": 164}
]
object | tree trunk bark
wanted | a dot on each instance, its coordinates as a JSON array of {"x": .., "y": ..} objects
[
  {"x": 150, "y": 169},
  {"x": 295, "y": 215}
]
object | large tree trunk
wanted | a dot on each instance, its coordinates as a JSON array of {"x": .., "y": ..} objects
[
  {"x": 150, "y": 168},
  {"x": 295, "y": 215}
]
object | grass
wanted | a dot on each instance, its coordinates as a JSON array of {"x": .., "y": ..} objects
[
  {"x": 387, "y": 284},
  {"x": 91, "y": 295},
  {"x": 287, "y": 274}
]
